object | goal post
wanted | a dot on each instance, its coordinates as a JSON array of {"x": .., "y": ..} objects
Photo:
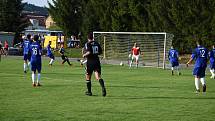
[{"x": 154, "y": 47}]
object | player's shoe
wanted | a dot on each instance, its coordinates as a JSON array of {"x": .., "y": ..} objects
[
  {"x": 50, "y": 65},
  {"x": 104, "y": 92},
  {"x": 25, "y": 72},
  {"x": 172, "y": 73},
  {"x": 212, "y": 77},
  {"x": 38, "y": 85},
  {"x": 88, "y": 93},
  {"x": 34, "y": 85},
  {"x": 197, "y": 91},
  {"x": 179, "y": 73}
]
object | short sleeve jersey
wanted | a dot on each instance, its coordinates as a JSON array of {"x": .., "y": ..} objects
[
  {"x": 212, "y": 55},
  {"x": 49, "y": 51},
  {"x": 200, "y": 54},
  {"x": 26, "y": 46},
  {"x": 173, "y": 55},
  {"x": 35, "y": 49},
  {"x": 62, "y": 51},
  {"x": 94, "y": 48},
  {"x": 135, "y": 50},
  {"x": 6, "y": 45}
]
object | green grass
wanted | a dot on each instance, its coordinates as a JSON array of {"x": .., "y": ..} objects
[{"x": 132, "y": 95}]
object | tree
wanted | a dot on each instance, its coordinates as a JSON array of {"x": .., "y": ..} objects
[
  {"x": 11, "y": 19},
  {"x": 90, "y": 20},
  {"x": 187, "y": 20},
  {"x": 67, "y": 15}
]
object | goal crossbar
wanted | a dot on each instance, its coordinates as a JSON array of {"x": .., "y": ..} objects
[{"x": 96, "y": 32}]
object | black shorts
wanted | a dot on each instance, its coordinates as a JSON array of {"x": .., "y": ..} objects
[
  {"x": 64, "y": 57},
  {"x": 93, "y": 66}
]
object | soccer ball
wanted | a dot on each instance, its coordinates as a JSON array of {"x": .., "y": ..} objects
[
  {"x": 121, "y": 63},
  {"x": 129, "y": 56}
]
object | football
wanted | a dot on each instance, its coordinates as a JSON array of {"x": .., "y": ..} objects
[
  {"x": 129, "y": 56},
  {"x": 121, "y": 63}
]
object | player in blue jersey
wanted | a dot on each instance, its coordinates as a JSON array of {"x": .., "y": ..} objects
[
  {"x": 173, "y": 58},
  {"x": 50, "y": 54},
  {"x": 26, "y": 52},
  {"x": 212, "y": 62},
  {"x": 36, "y": 62},
  {"x": 200, "y": 55},
  {"x": 91, "y": 51}
]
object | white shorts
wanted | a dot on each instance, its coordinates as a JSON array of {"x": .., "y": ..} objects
[{"x": 136, "y": 57}]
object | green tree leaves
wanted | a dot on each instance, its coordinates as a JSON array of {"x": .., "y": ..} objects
[
  {"x": 187, "y": 20},
  {"x": 11, "y": 19},
  {"x": 67, "y": 14}
]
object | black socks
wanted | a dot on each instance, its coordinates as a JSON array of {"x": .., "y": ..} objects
[
  {"x": 88, "y": 82},
  {"x": 101, "y": 81}
]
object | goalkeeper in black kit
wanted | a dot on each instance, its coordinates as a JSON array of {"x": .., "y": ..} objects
[{"x": 92, "y": 49}]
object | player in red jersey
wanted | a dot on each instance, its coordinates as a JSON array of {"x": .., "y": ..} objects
[{"x": 135, "y": 51}]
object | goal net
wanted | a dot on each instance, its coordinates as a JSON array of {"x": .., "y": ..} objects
[{"x": 117, "y": 46}]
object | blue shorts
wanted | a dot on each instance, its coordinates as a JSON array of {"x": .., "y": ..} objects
[
  {"x": 212, "y": 64},
  {"x": 51, "y": 56},
  {"x": 199, "y": 72},
  {"x": 36, "y": 66},
  {"x": 27, "y": 57},
  {"x": 174, "y": 63}
]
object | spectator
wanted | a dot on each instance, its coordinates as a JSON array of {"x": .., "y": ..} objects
[
  {"x": 6, "y": 47},
  {"x": 1, "y": 50}
]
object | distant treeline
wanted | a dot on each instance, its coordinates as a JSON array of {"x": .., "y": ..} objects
[
  {"x": 188, "y": 20},
  {"x": 36, "y": 9}
]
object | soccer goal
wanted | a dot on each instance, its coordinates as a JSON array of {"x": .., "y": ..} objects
[{"x": 117, "y": 46}]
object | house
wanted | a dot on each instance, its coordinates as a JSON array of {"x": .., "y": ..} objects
[
  {"x": 37, "y": 21},
  {"x": 49, "y": 22}
]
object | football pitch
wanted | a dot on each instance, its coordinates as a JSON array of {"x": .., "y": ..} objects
[{"x": 143, "y": 94}]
